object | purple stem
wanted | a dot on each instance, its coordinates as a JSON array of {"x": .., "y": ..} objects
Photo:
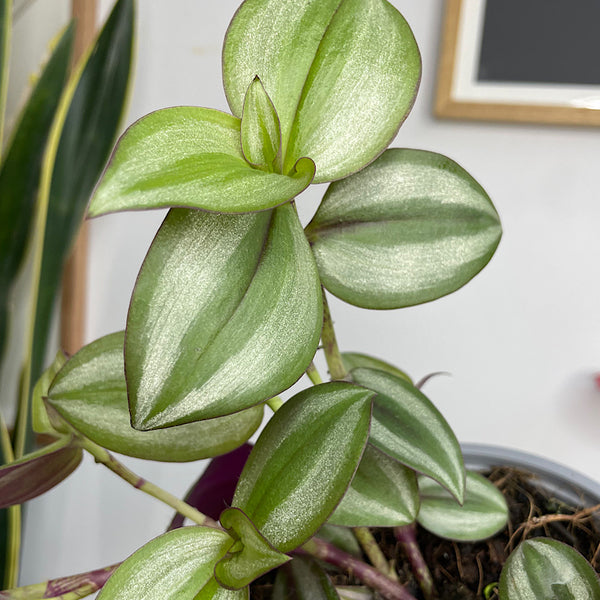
[
  {"x": 407, "y": 536},
  {"x": 388, "y": 588},
  {"x": 83, "y": 583},
  {"x": 64, "y": 585}
]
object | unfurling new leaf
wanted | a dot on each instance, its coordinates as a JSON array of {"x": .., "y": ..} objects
[{"x": 260, "y": 129}]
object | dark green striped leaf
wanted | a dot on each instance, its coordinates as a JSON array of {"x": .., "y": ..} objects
[
  {"x": 81, "y": 135},
  {"x": 91, "y": 395},
  {"x": 544, "y": 569},
  {"x": 38, "y": 472},
  {"x": 304, "y": 461},
  {"x": 20, "y": 170},
  {"x": 6, "y": 576},
  {"x": 5, "y": 35},
  {"x": 383, "y": 493},
  {"x": 191, "y": 157},
  {"x": 177, "y": 565},
  {"x": 408, "y": 427},
  {"x": 411, "y": 227},
  {"x": 483, "y": 513},
  {"x": 226, "y": 313},
  {"x": 88, "y": 133},
  {"x": 342, "y": 75}
]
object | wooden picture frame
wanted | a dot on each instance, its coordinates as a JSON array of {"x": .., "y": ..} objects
[{"x": 462, "y": 95}]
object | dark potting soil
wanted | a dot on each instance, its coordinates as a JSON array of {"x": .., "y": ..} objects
[{"x": 461, "y": 571}]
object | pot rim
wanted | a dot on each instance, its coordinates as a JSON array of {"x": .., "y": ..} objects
[{"x": 568, "y": 484}]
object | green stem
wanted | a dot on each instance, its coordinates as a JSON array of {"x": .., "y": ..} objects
[
  {"x": 313, "y": 374},
  {"x": 108, "y": 460},
  {"x": 373, "y": 551},
  {"x": 13, "y": 513},
  {"x": 337, "y": 370},
  {"x": 275, "y": 403}
]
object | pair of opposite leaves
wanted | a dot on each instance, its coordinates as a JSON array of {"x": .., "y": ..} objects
[{"x": 227, "y": 310}]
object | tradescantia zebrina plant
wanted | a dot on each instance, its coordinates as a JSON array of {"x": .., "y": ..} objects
[{"x": 229, "y": 309}]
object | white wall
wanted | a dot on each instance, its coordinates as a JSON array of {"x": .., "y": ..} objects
[{"x": 522, "y": 341}]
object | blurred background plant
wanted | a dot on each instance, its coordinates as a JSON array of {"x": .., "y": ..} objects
[{"x": 50, "y": 161}]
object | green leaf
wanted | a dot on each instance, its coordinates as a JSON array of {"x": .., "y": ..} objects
[
  {"x": 90, "y": 393},
  {"x": 483, "y": 513},
  {"x": 36, "y": 473},
  {"x": 252, "y": 555},
  {"x": 5, "y": 37},
  {"x": 191, "y": 157},
  {"x": 342, "y": 537},
  {"x": 383, "y": 493},
  {"x": 260, "y": 129},
  {"x": 544, "y": 569},
  {"x": 410, "y": 429},
  {"x": 304, "y": 461},
  {"x": 354, "y": 592},
  {"x": 360, "y": 88},
  {"x": 354, "y": 360},
  {"x": 172, "y": 566},
  {"x": 227, "y": 312},
  {"x": 276, "y": 41},
  {"x": 20, "y": 171},
  {"x": 40, "y": 420},
  {"x": 213, "y": 591},
  {"x": 87, "y": 136},
  {"x": 410, "y": 228},
  {"x": 10, "y": 523},
  {"x": 5, "y": 533},
  {"x": 342, "y": 75},
  {"x": 303, "y": 579}
]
